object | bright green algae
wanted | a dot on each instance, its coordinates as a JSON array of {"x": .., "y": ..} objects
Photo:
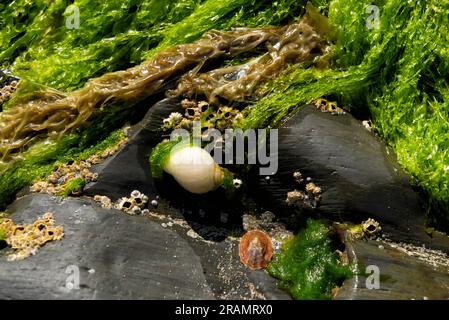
[
  {"x": 116, "y": 34},
  {"x": 112, "y": 35},
  {"x": 74, "y": 186},
  {"x": 399, "y": 73},
  {"x": 42, "y": 160},
  {"x": 307, "y": 266}
]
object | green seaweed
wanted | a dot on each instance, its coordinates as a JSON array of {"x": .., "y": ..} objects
[
  {"x": 2, "y": 235},
  {"x": 74, "y": 186},
  {"x": 112, "y": 35},
  {"x": 159, "y": 157},
  {"x": 399, "y": 73},
  {"x": 307, "y": 266},
  {"x": 43, "y": 159}
]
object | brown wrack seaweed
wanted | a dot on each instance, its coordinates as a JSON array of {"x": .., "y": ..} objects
[
  {"x": 50, "y": 114},
  {"x": 293, "y": 44}
]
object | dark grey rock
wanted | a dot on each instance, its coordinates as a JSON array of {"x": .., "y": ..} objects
[
  {"x": 129, "y": 257},
  {"x": 402, "y": 277},
  {"x": 132, "y": 257},
  {"x": 358, "y": 174}
]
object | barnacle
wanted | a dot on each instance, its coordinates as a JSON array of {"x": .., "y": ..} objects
[
  {"x": 186, "y": 103},
  {"x": 371, "y": 228},
  {"x": 297, "y": 175},
  {"x": 193, "y": 112},
  {"x": 132, "y": 205},
  {"x": 125, "y": 204},
  {"x": 7, "y": 91},
  {"x": 224, "y": 118},
  {"x": 296, "y": 198},
  {"x": 172, "y": 121},
  {"x": 256, "y": 249},
  {"x": 25, "y": 240},
  {"x": 70, "y": 178},
  {"x": 237, "y": 183},
  {"x": 314, "y": 191},
  {"x": 66, "y": 179},
  {"x": 309, "y": 197},
  {"x": 138, "y": 198},
  {"x": 105, "y": 202},
  {"x": 368, "y": 125},
  {"x": 8, "y": 84},
  {"x": 330, "y": 107}
]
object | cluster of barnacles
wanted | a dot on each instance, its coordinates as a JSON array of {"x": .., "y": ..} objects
[
  {"x": 371, "y": 228},
  {"x": 7, "y": 91},
  {"x": 222, "y": 118},
  {"x": 309, "y": 197},
  {"x": 57, "y": 181},
  {"x": 25, "y": 240},
  {"x": 368, "y": 229},
  {"x": 329, "y": 107},
  {"x": 8, "y": 84},
  {"x": 97, "y": 158},
  {"x": 134, "y": 204}
]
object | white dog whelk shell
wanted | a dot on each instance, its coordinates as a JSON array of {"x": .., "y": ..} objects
[{"x": 194, "y": 169}]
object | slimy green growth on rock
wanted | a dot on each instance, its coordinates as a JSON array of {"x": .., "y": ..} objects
[
  {"x": 2, "y": 235},
  {"x": 159, "y": 158},
  {"x": 307, "y": 266},
  {"x": 74, "y": 186},
  {"x": 42, "y": 161}
]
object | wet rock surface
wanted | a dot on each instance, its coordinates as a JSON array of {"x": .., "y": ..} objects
[
  {"x": 358, "y": 175},
  {"x": 402, "y": 274},
  {"x": 126, "y": 257},
  {"x": 118, "y": 257},
  {"x": 186, "y": 247},
  {"x": 130, "y": 170}
]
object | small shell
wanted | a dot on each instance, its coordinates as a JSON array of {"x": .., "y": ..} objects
[
  {"x": 256, "y": 250},
  {"x": 125, "y": 204},
  {"x": 138, "y": 199}
]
